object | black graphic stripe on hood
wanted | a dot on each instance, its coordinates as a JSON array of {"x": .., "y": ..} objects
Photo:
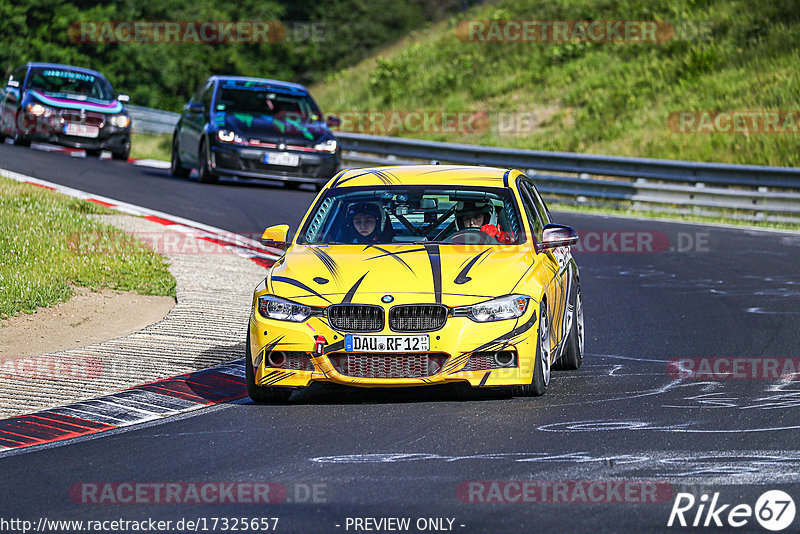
[
  {"x": 391, "y": 254},
  {"x": 327, "y": 261},
  {"x": 397, "y": 253},
  {"x": 462, "y": 277},
  {"x": 508, "y": 336},
  {"x": 436, "y": 270},
  {"x": 296, "y": 283},
  {"x": 521, "y": 277},
  {"x": 265, "y": 349},
  {"x": 348, "y": 298},
  {"x": 333, "y": 347}
]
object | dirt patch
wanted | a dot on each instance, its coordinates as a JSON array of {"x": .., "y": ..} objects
[{"x": 88, "y": 317}]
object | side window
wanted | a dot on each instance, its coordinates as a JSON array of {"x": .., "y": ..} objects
[
  {"x": 530, "y": 210},
  {"x": 198, "y": 94},
  {"x": 19, "y": 75},
  {"x": 541, "y": 207},
  {"x": 207, "y": 96}
]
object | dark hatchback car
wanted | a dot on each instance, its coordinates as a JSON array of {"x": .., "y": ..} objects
[
  {"x": 255, "y": 128},
  {"x": 65, "y": 105}
]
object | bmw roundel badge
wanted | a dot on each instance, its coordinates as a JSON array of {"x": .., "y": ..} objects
[{"x": 386, "y": 299}]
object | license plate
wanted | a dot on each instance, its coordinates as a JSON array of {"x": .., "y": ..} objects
[
  {"x": 282, "y": 158},
  {"x": 356, "y": 343},
  {"x": 81, "y": 130}
]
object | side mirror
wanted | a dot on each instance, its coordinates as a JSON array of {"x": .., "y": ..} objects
[
  {"x": 275, "y": 236},
  {"x": 557, "y": 235},
  {"x": 333, "y": 121},
  {"x": 13, "y": 83},
  {"x": 123, "y": 98},
  {"x": 196, "y": 107}
]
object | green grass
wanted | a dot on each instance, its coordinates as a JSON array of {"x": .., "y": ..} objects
[
  {"x": 603, "y": 98},
  {"x": 47, "y": 247},
  {"x": 147, "y": 146}
]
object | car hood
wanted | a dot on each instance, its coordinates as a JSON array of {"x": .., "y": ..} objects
[
  {"x": 271, "y": 129},
  {"x": 451, "y": 274},
  {"x": 66, "y": 102}
]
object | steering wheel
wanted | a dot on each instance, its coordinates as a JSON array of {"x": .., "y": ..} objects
[{"x": 471, "y": 236}]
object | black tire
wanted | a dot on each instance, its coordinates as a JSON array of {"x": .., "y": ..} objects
[
  {"x": 261, "y": 395},
  {"x": 541, "y": 367},
  {"x": 176, "y": 168},
  {"x": 19, "y": 138},
  {"x": 124, "y": 155},
  {"x": 93, "y": 152},
  {"x": 204, "y": 174},
  {"x": 573, "y": 355},
  {"x": 2, "y": 138}
]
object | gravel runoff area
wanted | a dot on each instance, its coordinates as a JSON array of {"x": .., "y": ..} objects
[{"x": 206, "y": 327}]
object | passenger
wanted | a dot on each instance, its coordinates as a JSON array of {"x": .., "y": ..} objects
[{"x": 478, "y": 215}]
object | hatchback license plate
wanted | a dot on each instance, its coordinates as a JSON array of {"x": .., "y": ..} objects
[
  {"x": 81, "y": 130},
  {"x": 356, "y": 343},
  {"x": 282, "y": 158}
]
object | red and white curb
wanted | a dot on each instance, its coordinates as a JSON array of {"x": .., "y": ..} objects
[
  {"x": 235, "y": 243},
  {"x": 139, "y": 404}
]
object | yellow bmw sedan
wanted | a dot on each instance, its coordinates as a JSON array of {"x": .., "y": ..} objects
[{"x": 418, "y": 275}]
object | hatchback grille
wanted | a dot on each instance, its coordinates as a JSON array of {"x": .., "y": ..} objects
[
  {"x": 356, "y": 317},
  {"x": 90, "y": 118},
  {"x": 370, "y": 365},
  {"x": 417, "y": 317}
]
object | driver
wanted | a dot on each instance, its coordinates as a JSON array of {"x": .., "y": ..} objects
[
  {"x": 478, "y": 214},
  {"x": 365, "y": 222}
]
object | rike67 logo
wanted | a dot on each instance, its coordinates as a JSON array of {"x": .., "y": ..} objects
[{"x": 774, "y": 510}]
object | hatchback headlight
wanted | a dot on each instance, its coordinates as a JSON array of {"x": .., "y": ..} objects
[
  {"x": 38, "y": 110},
  {"x": 508, "y": 307},
  {"x": 327, "y": 146},
  {"x": 120, "y": 121},
  {"x": 228, "y": 136},
  {"x": 272, "y": 307}
]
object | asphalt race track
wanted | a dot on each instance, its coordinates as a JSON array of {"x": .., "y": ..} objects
[{"x": 625, "y": 417}]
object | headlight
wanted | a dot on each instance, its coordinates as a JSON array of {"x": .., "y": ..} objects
[
  {"x": 121, "y": 121},
  {"x": 508, "y": 307},
  {"x": 228, "y": 136},
  {"x": 327, "y": 146},
  {"x": 38, "y": 110},
  {"x": 272, "y": 307}
]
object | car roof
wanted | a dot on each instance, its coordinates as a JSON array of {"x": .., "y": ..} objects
[
  {"x": 60, "y": 66},
  {"x": 426, "y": 175},
  {"x": 279, "y": 83}
]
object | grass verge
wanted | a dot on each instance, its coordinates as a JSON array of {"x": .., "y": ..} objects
[
  {"x": 148, "y": 146},
  {"x": 40, "y": 262}
]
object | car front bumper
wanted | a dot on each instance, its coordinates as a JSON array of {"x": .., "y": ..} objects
[
  {"x": 249, "y": 162},
  {"x": 457, "y": 343}
]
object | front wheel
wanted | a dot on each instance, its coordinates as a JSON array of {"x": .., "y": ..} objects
[
  {"x": 123, "y": 155},
  {"x": 573, "y": 357},
  {"x": 261, "y": 395},
  {"x": 204, "y": 173},
  {"x": 541, "y": 367}
]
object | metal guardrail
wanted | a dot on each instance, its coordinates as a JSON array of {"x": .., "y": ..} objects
[
  {"x": 152, "y": 121},
  {"x": 749, "y": 192}
]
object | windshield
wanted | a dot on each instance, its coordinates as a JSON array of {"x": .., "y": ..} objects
[
  {"x": 429, "y": 214},
  {"x": 70, "y": 84},
  {"x": 262, "y": 99}
]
